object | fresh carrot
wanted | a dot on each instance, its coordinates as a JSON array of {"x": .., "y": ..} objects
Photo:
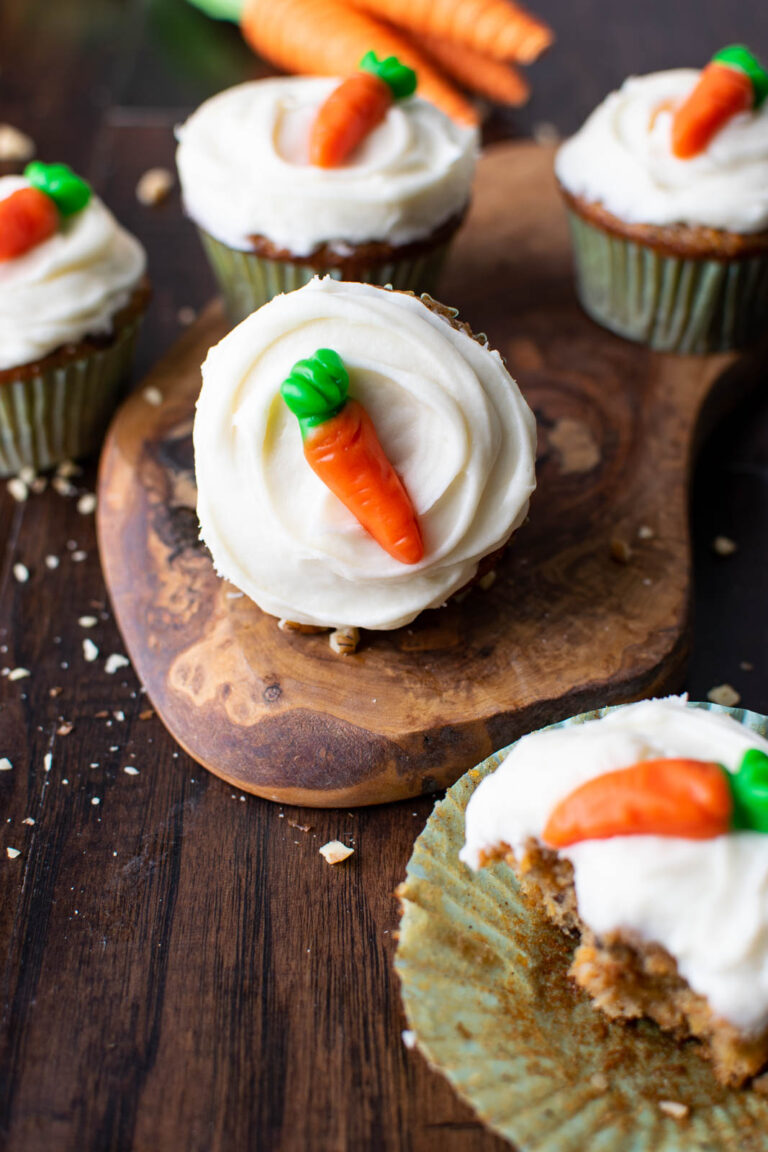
[
  {"x": 342, "y": 448},
  {"x": 491, "y": 78},
  {"x": 670, "y": 797},
  {"x": 355, "y": 108},
  {"x": 27, "y": 217},
  {"x": 496, "y": 28},
  {"x": 328, "y": 38},
  {"x": 732, "y": 82}
]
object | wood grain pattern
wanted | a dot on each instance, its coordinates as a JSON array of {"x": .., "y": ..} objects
[{"x": 566, "y": 626}]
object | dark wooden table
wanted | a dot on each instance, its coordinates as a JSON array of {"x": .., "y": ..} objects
[{"x": 181, "y": 968}]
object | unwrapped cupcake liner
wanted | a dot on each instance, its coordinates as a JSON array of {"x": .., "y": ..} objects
[
  {"x": 248, "y": 280},
  {"x": 485, "y": 986},
  {"x": 672, "y": 303},
  {"x": 62, "y": 412}
]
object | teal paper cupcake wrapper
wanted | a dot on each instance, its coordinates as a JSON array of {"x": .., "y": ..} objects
[
  {"x": 486, "y": 992},
  {"x": 62, "y": 412},
  {"x": 671, "y": 303},
  {"x": 247, "y": 280}
]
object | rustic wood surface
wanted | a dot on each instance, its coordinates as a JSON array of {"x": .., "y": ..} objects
[
  {"x": 181, "y": 969},
  {"x": 566, "y": 626}
]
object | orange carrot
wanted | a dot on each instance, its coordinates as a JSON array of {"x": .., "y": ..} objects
[
  {"x": 344, "y": 120},
  {"x": 687, "y": 798},
  {"x": 328, "y": 38},
  {"x": 491, "y": 78},
  {"x": 497, "y": 28},
  {"x": 342, "y": 448},
  {"x": 27, "y": 217},
  {"x": 721, "y": 93}
]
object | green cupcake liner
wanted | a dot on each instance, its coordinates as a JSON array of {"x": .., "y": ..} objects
[
  {"x": 62, "y": 412},
  {"x": 247, "y": 281},
  {"x": 671, "y": 303},
  {"x": 486, "y": 992}
]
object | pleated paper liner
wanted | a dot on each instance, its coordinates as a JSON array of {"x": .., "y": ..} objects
[
  {"x": 672, "y": 303},
  {"x": 485, "y": 989},
  {"x": 248, "y": 280},
  {"x": 62, "y": 412}
]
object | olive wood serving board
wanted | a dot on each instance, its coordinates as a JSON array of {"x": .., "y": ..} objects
[{"x": 590, "y": 605}]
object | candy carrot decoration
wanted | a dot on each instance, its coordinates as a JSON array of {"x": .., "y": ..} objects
[
  {"x": 732, "y": 82},
  {"x": 356, "y": 107},
  {"x": 27, "y": 217},
  {"x": 31, "y": 215},
  {"x": 687, "y": 798},
  {"x": 342, "y": 448},
  {"x": 494, "y": 79}
]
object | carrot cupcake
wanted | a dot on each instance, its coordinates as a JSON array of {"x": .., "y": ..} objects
[
  {"x": 358, "y": 454},
  {"x": 666, "y": 187},
  {"x": 643, "y": 834},
  {"x": 72, "y": 292},
  {"x": 292, "y": 177}
]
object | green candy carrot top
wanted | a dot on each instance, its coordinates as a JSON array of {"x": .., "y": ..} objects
[
  {"x": 692, "y": 799},
  {"x": 31, "y": 215},
  {"x": 342, "y": 448},
  {"x": 733, "y": 82},
  {"x": 356, "y": 107}
]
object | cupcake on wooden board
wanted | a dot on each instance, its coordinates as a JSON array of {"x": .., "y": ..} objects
[
  {"x": 666, "y": 187},
  {"x": 358, "y": 456},
  {"x": 72, "y": 293},
  {"x": 358, "y": 179},
  {"x": 643, "y": 834}
]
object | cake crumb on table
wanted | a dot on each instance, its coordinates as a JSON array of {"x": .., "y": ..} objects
[
  {"x": 154, "y": 186},
  {"x": 15, "y": 146},
  {"x": 334, "y": 852},
  {"x": 18, "y": 489},
  {"x": 620, "y": 550},
  {"x": 408, "y": 1037},
  {"x": 19, "y": 673},
  {"x": 12, "y": 853},
  {"x": 5, "y": 764},
  {"x": 153, "y": 396},
  {"x": 599, "y": 1081},
  {"x": 344, "y": 641},
  {"x": 674, "y": 1109},
  {"x": 114, "y": 663},
  {"x": 87, "y": 503},
  {"x": 645, "y": 532},
  {"x": 724, "y": 694},
  {"x": 724, "y": 546},
  {"x": 21, "y": 573},
  {"x": 90, "y": 651}
]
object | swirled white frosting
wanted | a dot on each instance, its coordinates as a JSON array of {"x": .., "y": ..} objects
[
  {"x": 68, "y": 287},
  {"x": 705, "y": 901},
  {"x": 243, "y": 161},
  {"x": 450, "y": 418},
  {"x": 622, "y": 158}
]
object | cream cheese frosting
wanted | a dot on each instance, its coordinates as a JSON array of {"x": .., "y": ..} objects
[
  {"x": 622, "y": 158},
  {"x": 705, "y": 901},
  {"x": 243, "y": 161},
  {"x": 448, "y": 415},
  {"x": 68, "y": 287}
]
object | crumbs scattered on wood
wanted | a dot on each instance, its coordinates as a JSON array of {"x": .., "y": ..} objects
[
  {"x": 5, "y": 764},
  {"x": 334, "y": 852},
  {"x": 724, "y": 546},
  {"x": 154, "y": 186},
  {"x": 12, "y": 853},
  {"x": 17, "y": 489},
  {"x": 90, "y": 651},
  {"x": 621, "y": 553},
  {"x": 301, "y": 827},
  {"x": 64, "y": 729},
  {"x": 724, "y": 694},
  {"x": 115, "y": 662},
  {"x": 153, "y": 396},
  {"x": 21, "y": 573},
  {"x": 52, "y": 562},
  {"x": 19, "y": 673},
  {"x": 674, "y": 1109},
  {"x": 86, "y": 504},
  {"x": 15, "y": 146}
]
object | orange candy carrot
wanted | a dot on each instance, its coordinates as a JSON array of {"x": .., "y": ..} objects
[
  {"x": 732, "y": 82},
  {"x": 349, "y": 114},
  {"x": 355, "y": 108},
  {"x": 27, "y": 217},
  {"x": 687, "y": 798},
  {"x": 328, "y": 38},
  {"x": 496, "y": 28},
  {"x": 493, "y": 79},
  {"x": 342, "y": 448}
]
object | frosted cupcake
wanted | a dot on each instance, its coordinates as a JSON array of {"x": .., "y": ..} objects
[
  {"x": 643, "y": 833},
  {"x": 666, "y": 187},
  {"x": 72, "y": 292},
  {"x": 305, "y": 515},
  {"x": 272, "y": 211}
]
